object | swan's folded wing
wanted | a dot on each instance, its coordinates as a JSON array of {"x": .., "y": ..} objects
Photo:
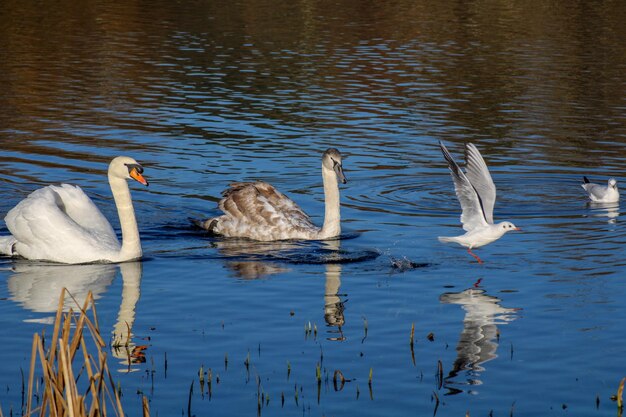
[
  {"x": 479, "y": 176},
  {"x": 472, "y": 215},
  {"x": 261, "y": 205},
  {"x": 83, "y": 211},
  {"x": 284, "y": 207},
  {"x": 44, "y": 229}
]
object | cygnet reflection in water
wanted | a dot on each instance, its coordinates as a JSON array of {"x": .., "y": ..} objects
[
  {"x": 479, "y": 338},
  {"x": 250, "y": 259},
  {"x": 334, "y": 303}
]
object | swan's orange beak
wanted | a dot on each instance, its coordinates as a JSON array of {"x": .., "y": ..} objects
[{"x": 134, "y": 174}]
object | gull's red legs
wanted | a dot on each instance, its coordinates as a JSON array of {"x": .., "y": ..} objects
[{"x": 474, "y": 255}]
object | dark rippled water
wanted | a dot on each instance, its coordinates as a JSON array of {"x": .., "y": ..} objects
[{"x": 206, "y": 93}]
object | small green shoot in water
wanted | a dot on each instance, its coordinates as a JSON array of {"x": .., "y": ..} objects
[
  {"x": 189, "y": 400},
  {"x": 412, "y": 343},
  {"x": 439, "y": 374},
  {"x": 210, "y": 381},
  {"x": 620, "y": 393},
  {"x": 364, "y": 329},
  {"x": 201, "y": 375},
  {"x": 318, "y": 376}
]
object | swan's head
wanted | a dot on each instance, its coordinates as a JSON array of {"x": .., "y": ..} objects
[
  {"x": 127, "y": 168},
  {"x": 613, "y": 183},
  {"x": 332, "y": 160},
  {"x": 508, "y": 226}
]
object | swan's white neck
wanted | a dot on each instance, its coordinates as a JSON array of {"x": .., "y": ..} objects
[
  {"x": 131, "y": 245},
  {"x": 332, "y": 217}
]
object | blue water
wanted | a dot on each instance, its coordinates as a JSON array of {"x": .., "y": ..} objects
[{"x": 206, "y": 93}]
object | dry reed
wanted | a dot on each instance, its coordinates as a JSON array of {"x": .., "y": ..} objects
[{"x": 72, "y": 381}]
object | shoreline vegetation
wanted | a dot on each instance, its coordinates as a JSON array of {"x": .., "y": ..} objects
[{"x": 71, "y": 377}]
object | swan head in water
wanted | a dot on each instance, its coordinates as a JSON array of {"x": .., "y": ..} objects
[
  {"x": 127, "y": 168},
  {"x": 332, "y": 160}
]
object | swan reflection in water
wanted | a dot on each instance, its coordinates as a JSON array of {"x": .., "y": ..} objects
[
  {"x": 250, "y": 259},
  {"x": 37, "y": 287},
  {"x": 478, "y": 341},
  {"x": 246, "y": 258},
  {"x": 333, "y": 301}
]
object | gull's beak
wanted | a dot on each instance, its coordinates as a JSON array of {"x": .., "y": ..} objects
[
  {"x": 134, "y": 174},
  {"x": 339, "y": 171},
  {"x": 519, "y": 229}
]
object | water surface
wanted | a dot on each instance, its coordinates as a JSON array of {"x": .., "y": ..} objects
[{"x": 206, "y": 93}]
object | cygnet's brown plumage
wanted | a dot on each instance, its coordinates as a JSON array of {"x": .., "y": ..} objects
[{"x": 257, "y": 210}]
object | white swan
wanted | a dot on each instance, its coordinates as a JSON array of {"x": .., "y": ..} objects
[
  {"x": 258, "y": 211},
  {"x": 62, "y": 224}
]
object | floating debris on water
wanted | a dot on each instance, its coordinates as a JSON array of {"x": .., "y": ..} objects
[{"x": 338, "y": 375}]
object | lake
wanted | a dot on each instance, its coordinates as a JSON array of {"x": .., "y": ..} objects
[{"x": 204, "y": 93}]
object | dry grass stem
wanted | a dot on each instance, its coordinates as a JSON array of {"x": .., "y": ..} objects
[{"x": 91, "y": 392}]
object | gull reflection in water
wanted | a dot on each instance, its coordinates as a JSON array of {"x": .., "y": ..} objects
[
  {"x": 608, "y": 210},
  {"x": 478, "y": 341},
  {"x": 37, "y": 287}
]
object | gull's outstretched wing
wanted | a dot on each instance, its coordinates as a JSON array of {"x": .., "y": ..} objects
[
  {"x": 473, "y": 215},
  {"x": 478, "y": 173}
]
